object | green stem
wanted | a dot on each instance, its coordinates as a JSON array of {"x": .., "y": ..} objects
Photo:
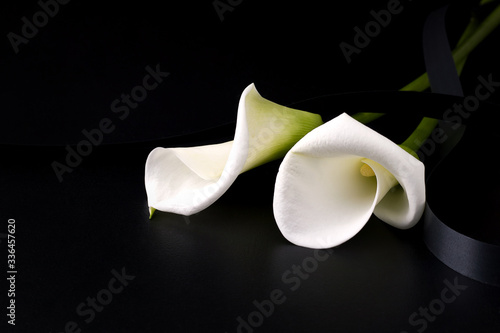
[
  {"x": 484, "y": 29},
  {"x": 471, "y": 38},
  {"x": 420, "y": 134},
  {"x": 427, "y": 125},
  {"x": 366, "y": 117},
  {"x": 422, "y": 82}
]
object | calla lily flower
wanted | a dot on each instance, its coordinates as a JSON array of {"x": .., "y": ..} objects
[
  {"x": 188, "y": 180},
  {"x": 337, "y": 176}
]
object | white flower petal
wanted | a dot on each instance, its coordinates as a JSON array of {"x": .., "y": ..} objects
[
  {"x": 188, "y": 180},
  {"x": 322, "y": 200}
]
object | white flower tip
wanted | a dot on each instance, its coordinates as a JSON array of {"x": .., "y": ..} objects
[{"x": 151, "y": 212}]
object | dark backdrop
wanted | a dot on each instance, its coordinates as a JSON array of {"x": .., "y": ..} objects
[{"x": 226, "y": 269}]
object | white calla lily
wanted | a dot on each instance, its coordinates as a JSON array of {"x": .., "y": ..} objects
[
  {"x": 188, "y": 180},
  {"x": 324, "y": 193}
]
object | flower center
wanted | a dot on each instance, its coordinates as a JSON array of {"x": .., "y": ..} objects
[{"x": 366, "y": 170}]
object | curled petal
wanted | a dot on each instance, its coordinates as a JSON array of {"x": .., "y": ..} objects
[
  {"x": 321, "y": 198},
  {"x": 188, "y": 180}
]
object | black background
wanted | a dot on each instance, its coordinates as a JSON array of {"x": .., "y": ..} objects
[{"x": 199, "y": 274}]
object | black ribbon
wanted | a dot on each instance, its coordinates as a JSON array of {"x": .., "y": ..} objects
[{"x": 470, "y": 257}]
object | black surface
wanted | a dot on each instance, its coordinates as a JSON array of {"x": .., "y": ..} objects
[{"x": 200, "y": 274}]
